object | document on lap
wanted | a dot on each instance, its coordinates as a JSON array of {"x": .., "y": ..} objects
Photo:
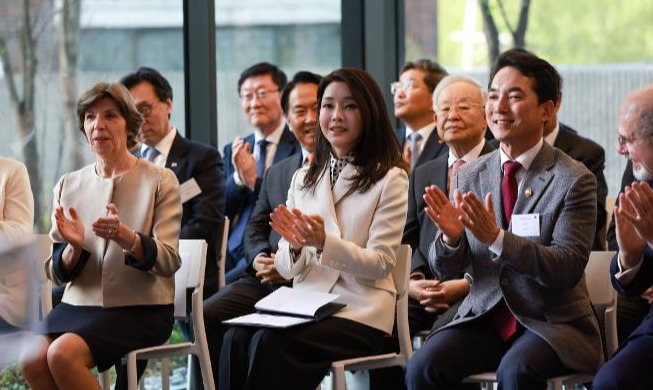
[{"x": 288, "y": 307}]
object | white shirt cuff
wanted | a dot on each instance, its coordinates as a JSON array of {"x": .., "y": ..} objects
[
  {"x": 626, "y": 276},
  {"x": 497, "y": 245}
]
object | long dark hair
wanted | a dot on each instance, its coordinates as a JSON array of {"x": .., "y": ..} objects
[{"x": 378, "y": 149}]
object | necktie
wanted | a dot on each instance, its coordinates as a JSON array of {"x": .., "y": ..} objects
[
  {"x": 509, "y": 189},
  {"x": 503, "y": 321},
  {"x": 309, "y": 159},
  {"x": 454, "y": 169},
  {"x": 151, "y": 153},
  {"x": 260, "y": 163},
  {"x": 415, "y": 140}
]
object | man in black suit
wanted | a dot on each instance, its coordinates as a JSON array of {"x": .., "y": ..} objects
[
  {"x": 591, "y": 155},
  {"x": 299, "y": 102},
  {"x": 458, "y": 112},
  {"x": 247, "y": 159},
  {"x": 198, "y": 167},
  {"x": 413, "y": 103},
  {"x": 632, "y": 267}
]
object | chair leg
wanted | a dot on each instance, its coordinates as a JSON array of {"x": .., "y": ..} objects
[
  {"x": 165, "y": 373},
  {"x": 105, "y": 380},
  {"x": 132, "y": 372},
  {"x": 338, "y": 378}
]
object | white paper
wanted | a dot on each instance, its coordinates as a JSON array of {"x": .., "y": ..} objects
[
  {"x": 268, "y": 320},
  {"x": 526, "y": 225},
  {"x": 292, "y": 301},
  {"x": 189, "y": 190}
]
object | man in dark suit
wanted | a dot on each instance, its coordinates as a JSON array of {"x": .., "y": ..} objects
[
  {"x": 632, "y": 267},
  {"x": 198, "y": 167},
  {"x": 413, "y": 103},
  {"x": 458, "y": 112},
  {"x": 591, "y": 155},
  {"x": 299, "y": 102},
  {"x": 247, "y": 159},
  {"x": 526, "y": 233}
]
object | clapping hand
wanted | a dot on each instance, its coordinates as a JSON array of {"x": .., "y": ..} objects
[
  {"x": 445, "y": 215},
  {"x": 107, "y": 227},
  {"x": 71, "y": 229},
  {"x": 297, "y": 228},
  {"x": 244, "y": 162}
]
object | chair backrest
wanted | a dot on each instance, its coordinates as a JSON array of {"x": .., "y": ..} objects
[
  {"x": 603, "y": 296},
  {"x": 222, "y": 251},
  {"x": 191, "y": 273},
  {"x": 43, "y": 250},
  {"x": 400, "y": 275}
]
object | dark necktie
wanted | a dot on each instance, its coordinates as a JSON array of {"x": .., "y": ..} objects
[
  {"x": 415, "y": 140},
  {"x": 454, "y": 169},
  {"x": 503, "y": 321}
]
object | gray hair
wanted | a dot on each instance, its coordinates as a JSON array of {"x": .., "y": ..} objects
[{"x": 452, "y": 79}]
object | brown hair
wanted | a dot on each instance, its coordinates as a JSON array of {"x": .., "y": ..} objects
[{"x": 119, "y": 94}]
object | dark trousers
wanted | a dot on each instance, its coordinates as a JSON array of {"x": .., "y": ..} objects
[
  {"x": 523, "y": 362},
  {"x": 294, "y": 358},
  {"x": 235, "y": 299},
  {"x": 628, "y": 368}
]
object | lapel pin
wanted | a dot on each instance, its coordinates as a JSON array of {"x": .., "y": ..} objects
[
  {"x": 173, "y": 165},
  {"x": 528, "y": 192}
]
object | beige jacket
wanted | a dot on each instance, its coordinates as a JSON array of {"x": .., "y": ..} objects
[{"x": 148, "y": 201}]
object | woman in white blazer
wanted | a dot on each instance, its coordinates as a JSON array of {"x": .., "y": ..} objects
[
  {"x": 16, "y": 222},
  {"x": 115, "y": 228},
  {"x": 341, "y": 228}
]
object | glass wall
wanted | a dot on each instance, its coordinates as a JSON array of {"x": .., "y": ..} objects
[
  {"x": 293, "y": 34},
  {"x": 75, "y": 45},
  {"x": 603, "y": 51}
]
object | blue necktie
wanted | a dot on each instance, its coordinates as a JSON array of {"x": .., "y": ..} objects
[
  {"x": 235, "y": 242},
  {"x": 151, "y": 153}
]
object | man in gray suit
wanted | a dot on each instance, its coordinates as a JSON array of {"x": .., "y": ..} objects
[{"x": 527, "y": 234}]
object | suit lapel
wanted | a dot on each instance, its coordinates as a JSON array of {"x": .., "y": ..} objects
[
  {"x": 175, "y": 158},
  {"x": 536, "y": 180},
  {"x": 342, "y": 184},
  {"x": 286, "y": 147},
  {"x": 490, "y": 182},
  {"x": 323, "y": 192},
  {"x": 432, "y": 148}
]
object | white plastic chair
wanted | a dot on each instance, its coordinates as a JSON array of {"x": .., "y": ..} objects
[
  {"x": 601, "y": 292},
  {"x": 222, "y": 252},
  {"x": 400, "y": 275},
  {"x": 190, "y": 275},
  {"x": 43, "y": 249}
]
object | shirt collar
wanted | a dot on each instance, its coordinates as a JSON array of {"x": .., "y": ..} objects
[
  {"x": 553, "y": 135},
  {"x": 470, "y": 156},
  {"x": 526, "y": 158},
  {"x": 274, "y": 137},
  {"x": 165, "y": 144},
  {"x": 425, "y": 131}
]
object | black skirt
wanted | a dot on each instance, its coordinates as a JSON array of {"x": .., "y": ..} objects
[{"x": 111, "y": 332}]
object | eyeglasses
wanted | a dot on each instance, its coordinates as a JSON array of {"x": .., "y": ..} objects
[
  {"x": 145, "y": 109},
  {"x": 461, "y": 108},
  {"x": 261, "y": 94},
  {"x": 406, "y": 86}
]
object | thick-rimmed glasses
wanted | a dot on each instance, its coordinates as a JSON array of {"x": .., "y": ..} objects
[{"x": 261, "y": 94}]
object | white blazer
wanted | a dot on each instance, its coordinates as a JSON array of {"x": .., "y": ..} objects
[
  {"x": 363, "y": 235},
  {"x": 16, "y": 222}
]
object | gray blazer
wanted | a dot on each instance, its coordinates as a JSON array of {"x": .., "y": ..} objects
[{"x": 540, "y": 278}]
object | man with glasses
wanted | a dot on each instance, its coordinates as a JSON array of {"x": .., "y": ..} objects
[
  {"x": 413, "y": 103},
  {"x": 247, "y": 159},
  {"x": 198, "y": 167},
  {"x": 632, "y": 267}
]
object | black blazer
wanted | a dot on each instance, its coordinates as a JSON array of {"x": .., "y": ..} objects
[
  {"x": 592, "y": 156},
  {"x": 420, "y": 230},
  {"x": 238, "y": 197},
  {"x": 432, "y": 148},
  {"x": 626, "y": 180},
  {"x": 204, "y": 214},
  {"x": 259, "y": 236}
]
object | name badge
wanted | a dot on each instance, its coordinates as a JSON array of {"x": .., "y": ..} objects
[
  {"x": 189, "y": 190},
  {"x": 526, "y": 225}
]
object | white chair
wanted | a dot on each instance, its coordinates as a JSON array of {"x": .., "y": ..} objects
[
  {"x": 222, "y": 252},
  {"x": 190, "y": 275},
  {"x": 602, "y": 295},
  {"x": 400, "y": 276},
  {"x": 43, "y": 249}
]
